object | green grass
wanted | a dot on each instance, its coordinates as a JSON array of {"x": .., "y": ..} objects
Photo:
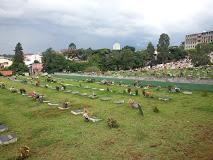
[{"x": 181, "y": 130}]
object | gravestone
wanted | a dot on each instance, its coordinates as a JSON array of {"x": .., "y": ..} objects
[
  {"x": 7, "y": 139},
  {"x": 105, "y": 98},
  {"x": 3, "y": 128}
]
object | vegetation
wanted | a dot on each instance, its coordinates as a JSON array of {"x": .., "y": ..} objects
[
  {"x": 200, "y": 56},
  {"x": 18, "y": 66},
  {"x": 163, "y": 48}
]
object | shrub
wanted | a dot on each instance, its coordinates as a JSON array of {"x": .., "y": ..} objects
[
  {"x": 112, "y": 123},
  {"x": 2, "y": 86},
  {"x": 156, "y": 110},
  {"x": 136, "y": 92},
  {"x": 22, "y": 91},
  {"x": 129, "y": 90},
  {"x": 108, "y": 89}
]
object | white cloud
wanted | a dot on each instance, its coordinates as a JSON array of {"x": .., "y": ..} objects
[{"x": 109, "y": 18}]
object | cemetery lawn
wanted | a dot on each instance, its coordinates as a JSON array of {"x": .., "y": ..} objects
[{"x": 183, "y": 129}]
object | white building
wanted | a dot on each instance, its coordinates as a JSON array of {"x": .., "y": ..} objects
[
  {"x": 5, "y": 62},
  {"x": 30, "y": 58},
  {"x": 116, "y": 46}
]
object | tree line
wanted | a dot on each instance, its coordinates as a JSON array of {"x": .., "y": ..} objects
[{"x": 106, "y": 59}]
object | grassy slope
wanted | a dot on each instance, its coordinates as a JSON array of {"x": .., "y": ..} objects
[{"x": 182, "y": 129}]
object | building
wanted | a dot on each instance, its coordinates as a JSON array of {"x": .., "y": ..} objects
[
  {"x": 30, "y": 58},
  {"x": 116, "y": 46},
  {"x": 6, "y": 73},
  {"x": 192, "y": 40},
  {"x": 35, "y": 68},
  {"x": 5, "y": 62}
]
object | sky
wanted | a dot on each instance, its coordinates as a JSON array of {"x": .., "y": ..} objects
[{"x": 40, "y": 24}]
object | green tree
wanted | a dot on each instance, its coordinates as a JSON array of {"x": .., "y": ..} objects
[
  {"x": 71, "y": 52},
  {"x": 36, "y": 61},
  {"x": 72, "y": 46},
  {"x": 200, "y": 56},
  {"x": 150, "y": 50},
  {"x": 129, "y": 47},
  {"x": 18, "y": 66},
  {"x": 176, "y": 53},
  {"x": 53, "y": 62},
  {"x": 127, "y": 59},
  {"x": 163, "y": 48}
]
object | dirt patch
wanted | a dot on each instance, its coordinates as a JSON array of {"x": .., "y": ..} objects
[
  {"x": 130, "y": 153},
  {"x": 200, "y": 148}
]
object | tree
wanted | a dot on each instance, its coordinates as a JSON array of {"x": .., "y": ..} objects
[
  {"x": 71, "y": 52},
  {"x": 200, "y": 56},
  {"x": 72, "y": 46},
  {"x": 81, "y": 54},
  {"x": 150, "y": 50},
  {"x": 176, "y": 53},
  {"x": 18, "y": 65},
  {"x": 163, "y": 48},
  {"x": 53, "y": 62},
  {"x": 130, "y": 47},
  {"x": 127, "y": 59},
  {"x": 36, "y": 61}
]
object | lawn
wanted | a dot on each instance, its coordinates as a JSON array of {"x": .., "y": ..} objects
[{"x": 181, "y": 130}]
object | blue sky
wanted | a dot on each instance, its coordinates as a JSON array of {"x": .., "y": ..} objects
[{"x": 40, "y": 24}]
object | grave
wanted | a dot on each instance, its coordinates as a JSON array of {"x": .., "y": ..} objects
[
  {"x": 7, "y": 139},
  {"x": 164, "y": 98},
  {"x": 69, "y": 91},
  {"x": 3, "y": 128},
  {"x": 187, "y": 92},
  {"x": 119, "y": 101},
  {"x": 83, "y": 94},
  {"x": 94, "y": 119},
  {"x": 63, "y": 108},
  {"x": 105, "y": 98},
  {"x": 75, "y": 92},
  {"x": 93, "y": 96},
  {"x": 77, "y": 112},
  {"x": 52, "y": 104},
  {"x": 46, "y": 101}
]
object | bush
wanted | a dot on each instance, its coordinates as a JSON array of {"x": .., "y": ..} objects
[
  {"x": 112, "y": 123},
  {"x": 156, "y": 110},
  {"x": 129, "y": 90},
  {"x": 136, "y": 92},
  {"x": 2, "y": 86}
]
